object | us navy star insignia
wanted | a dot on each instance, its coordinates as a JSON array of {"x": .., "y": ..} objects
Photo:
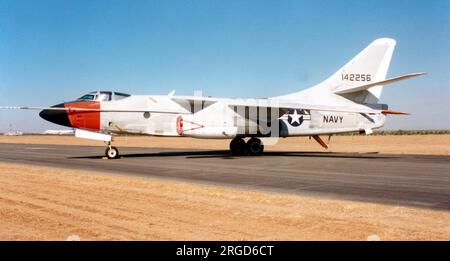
[{"x": 295, "y": 119}]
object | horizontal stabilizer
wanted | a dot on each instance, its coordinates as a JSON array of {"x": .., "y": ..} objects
[{"x": 344, "y": 90}]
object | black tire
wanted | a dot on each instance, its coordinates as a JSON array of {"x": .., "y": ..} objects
[
  {"x": 238, "y": 146},
  {"x": 255, "y": 147},
  {"x": 112, "y": 153}
]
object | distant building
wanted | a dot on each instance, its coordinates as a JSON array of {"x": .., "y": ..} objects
[{"x": 13, "y": 133}]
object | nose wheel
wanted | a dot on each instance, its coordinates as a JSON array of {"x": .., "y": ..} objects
[
  {"x": 253, "y": 146},
  {"x": 112, "y": 152}
]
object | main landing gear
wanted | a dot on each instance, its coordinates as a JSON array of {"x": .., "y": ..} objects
[
  {"x": 253, "y": 146},
  {"x": 111, "y": 152}
]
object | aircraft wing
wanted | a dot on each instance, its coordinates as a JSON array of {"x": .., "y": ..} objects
[
  {"x": 285, "y": 105},
  {"x": 282, "y": 105}
]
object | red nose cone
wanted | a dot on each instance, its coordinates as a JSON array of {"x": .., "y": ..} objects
[
  {"x": 89, "y": 120},
  {"x": 85, "y": 119}
]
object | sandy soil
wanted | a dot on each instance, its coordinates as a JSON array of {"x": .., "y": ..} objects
[
  {"x": 40, "y": 203},
  {"x": 407, "y": 144}
]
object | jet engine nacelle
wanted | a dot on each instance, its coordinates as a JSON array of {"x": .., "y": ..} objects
[{"x": 187, "y": 126}]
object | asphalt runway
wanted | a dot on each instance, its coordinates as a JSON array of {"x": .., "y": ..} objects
[{"x": 405, "y": 180}]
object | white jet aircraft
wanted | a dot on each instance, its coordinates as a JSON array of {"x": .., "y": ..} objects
[{"x": 345, "y": 102}]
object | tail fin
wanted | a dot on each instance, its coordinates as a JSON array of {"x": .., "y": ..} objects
[
  {"x": 369, "y": 66},
  {"x": 366, "y": 69}
]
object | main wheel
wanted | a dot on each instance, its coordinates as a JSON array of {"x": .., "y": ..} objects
[
  {"x": 255, "y": 146},
  {"x": 112, "y": 153},
  {"x": 237, "y": 146}
]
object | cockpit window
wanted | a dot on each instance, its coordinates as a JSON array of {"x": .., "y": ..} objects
[
  {"x": 104, "y": 96},
  {"x": 120, "y": 96},
  {"x": 87, "y": 97}
]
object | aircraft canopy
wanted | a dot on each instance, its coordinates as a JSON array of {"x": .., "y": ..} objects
[{"x": 103, "y": 96}]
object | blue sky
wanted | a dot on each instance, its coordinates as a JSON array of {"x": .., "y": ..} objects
[{"x": 54, "y": 51}]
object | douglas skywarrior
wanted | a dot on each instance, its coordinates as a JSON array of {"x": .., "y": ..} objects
[{"x": 345, "y": 102}]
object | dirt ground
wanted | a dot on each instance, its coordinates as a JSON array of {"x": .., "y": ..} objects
[
  {"x": 40, "y": 203},
  {"x": 394, "y": 144}
]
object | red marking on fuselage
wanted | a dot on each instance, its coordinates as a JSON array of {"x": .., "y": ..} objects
[
  {"x": 181, "y": 128},
  {"x": 180, "y": 125},
  {"x": 88, "y": 120}
]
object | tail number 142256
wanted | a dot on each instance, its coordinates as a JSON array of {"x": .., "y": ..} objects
[{"x": 357, "y": 77}]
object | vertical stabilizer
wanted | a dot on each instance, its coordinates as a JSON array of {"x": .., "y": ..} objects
[{"x": 369, "y": 66}]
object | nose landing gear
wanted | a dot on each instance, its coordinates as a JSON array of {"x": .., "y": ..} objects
[
  {"x": 253, "y": 146},
  {"x": 111, "y": 152}
]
